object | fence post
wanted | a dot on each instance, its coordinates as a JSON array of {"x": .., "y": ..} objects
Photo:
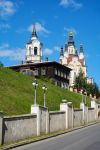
[
  {"x": 82, "y": 106},
  {"x": 47, "y": 122},
  {"x": 64, "y": 107},
  {"x": 95, "y": 106},
  {"x": 1, "y": 128},
  {"x": 35, "y": 110}
]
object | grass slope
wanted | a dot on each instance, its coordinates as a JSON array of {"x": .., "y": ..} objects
[{"x": 17, "y": 93}]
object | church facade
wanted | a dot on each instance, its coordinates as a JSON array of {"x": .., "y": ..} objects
[{"x": 69, "y": 57}]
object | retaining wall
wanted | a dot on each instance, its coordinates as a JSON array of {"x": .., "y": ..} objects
[
  {"x": 57, "y": 121},
  {"x": 91, "y": 115},
  {"x": 78, "y": 117},
  {"x": 40, "y": 121},
  {"x": 19, "y": 127}
]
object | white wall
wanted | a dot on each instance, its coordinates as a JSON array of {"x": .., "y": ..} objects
[
  {"x": 19, "y": 127},
  {"x": 57, "y": 121},
  {"x": 91, "y": 115}
]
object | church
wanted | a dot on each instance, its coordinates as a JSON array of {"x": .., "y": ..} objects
[
  {"x": 69, "y": 57},
  {"x": 63, "y": 74}
]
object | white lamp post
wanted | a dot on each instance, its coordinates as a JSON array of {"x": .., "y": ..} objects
[
  {"x": 35, "y": 85},
  {"x": 44, "y": 89},
  {"x": 70, "y": 103}
]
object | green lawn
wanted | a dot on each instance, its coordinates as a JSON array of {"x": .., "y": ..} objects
[{"x": 17, "y": 93}]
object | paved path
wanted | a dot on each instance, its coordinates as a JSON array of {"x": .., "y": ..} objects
[{"x": 83, "y": 139}]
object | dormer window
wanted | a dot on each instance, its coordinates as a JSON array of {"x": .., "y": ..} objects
[{"x": 35, "y": 50}]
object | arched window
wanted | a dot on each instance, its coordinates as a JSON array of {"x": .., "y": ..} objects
[{"x": 35, "y": 50}]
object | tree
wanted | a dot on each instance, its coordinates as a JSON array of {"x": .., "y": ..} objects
[
  {"x": 80, "y": 81},
  {"x": 81, "y": 84}
]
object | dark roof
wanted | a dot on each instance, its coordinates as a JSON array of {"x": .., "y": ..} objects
[
  {"x": 54, "y": 63},
  {"x": 34, "y": 34}
]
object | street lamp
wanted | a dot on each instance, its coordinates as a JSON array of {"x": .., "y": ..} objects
[
  {"x": 70, "y": 103},
  {"x": 44, "y": 89},
  {"x": 35, "y": 84}
]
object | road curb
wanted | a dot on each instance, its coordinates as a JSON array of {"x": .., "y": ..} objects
[{"x": 25, "y": 142}]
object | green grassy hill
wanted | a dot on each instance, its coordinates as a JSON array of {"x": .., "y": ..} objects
[{"x": 17, "y": 93}]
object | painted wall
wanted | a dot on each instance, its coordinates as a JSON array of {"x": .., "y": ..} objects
[
  {"x": 19, "y": 127},
  {"x": 91, "y": 115},
  {"x": 57, "y": 121},
  {"x": 78, "y": 117},
  {"x": 40, "y": 121}
]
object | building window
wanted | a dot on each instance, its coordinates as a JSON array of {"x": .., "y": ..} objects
[
  {"x": 43, "y": 71},
  {"x": 35, "y": 50},
  {"x": 36, "y": 72},
  {"x": 65, "y": 75},
  {"x": 55, "y": 71},
  {"x": 58, "y": 73},
  {"x": 61, "y": 74}
]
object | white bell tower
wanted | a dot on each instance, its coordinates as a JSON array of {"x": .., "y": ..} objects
[{"x": 34, "y": 49}]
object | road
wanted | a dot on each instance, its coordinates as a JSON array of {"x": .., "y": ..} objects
[{"x": 83, "y": 139}]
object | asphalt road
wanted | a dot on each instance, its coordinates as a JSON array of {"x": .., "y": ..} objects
[{"x": 83, "y": 139}]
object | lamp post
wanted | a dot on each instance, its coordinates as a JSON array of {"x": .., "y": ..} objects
[
  {"x": 70, "y": 103},
  {"x": 44, "y": 89},
  {"x": 35, "y": 84}
]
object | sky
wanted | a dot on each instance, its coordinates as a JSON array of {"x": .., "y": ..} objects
[{"x": 54, "y": 19}]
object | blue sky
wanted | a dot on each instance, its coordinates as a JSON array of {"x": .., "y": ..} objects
[{"x": 54, "y": 19}]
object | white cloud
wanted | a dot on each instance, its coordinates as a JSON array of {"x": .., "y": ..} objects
[
  {"x": 57, "y": 48},
  {"x": 12, "y": 53},
  {"x": 7, "y": 8},
  {"x": 71, "y": 29},
  {"x": 47, "y": 51},
  {"x": 4, "y": 26},
  {"x": 39, "y": 28},
  {"x": 3, "y": 46},
  {"x": 65, "y": 2},
  {"x": 5, "y": 53},
  {"x": 70, "y": 3}
]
